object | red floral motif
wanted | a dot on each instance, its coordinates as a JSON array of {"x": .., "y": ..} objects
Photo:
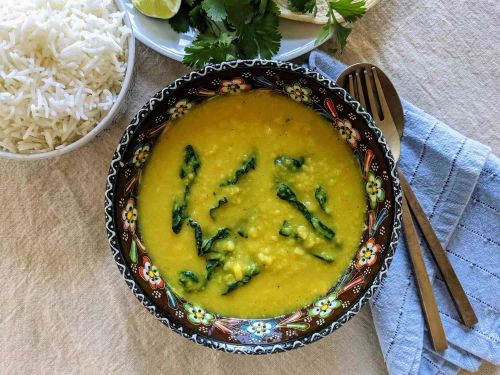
[
  {"x": 151, "y": 274},
  {"x": 367, "y": 255},
  {"x": 347, "y": 132},
  {"x": 234, "y": 86},
  {"x": 129, "y": 216}
]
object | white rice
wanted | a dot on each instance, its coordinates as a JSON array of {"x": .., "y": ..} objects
[{"x": 62, "y": 63}]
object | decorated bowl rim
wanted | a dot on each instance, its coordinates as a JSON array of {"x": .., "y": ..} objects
[{"x": 214, "y": 343}]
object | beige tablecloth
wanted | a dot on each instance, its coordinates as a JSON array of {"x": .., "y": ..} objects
[{"x": 64, "y": 308}]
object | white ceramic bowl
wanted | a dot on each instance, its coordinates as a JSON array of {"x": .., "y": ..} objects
[{"x": 105, "y": 121}]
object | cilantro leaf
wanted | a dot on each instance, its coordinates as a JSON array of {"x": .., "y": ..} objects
[
  {"x": 239, "y": 12},
  {"x": 273, "y": 8},
  {"x": 303, "y": 6},
  {"x": 263, "y": 6},
  {"x": 340, "y": 35},
  {"x": 326, "y": 32},
  {"x": 197, "y": 19},
  {"x": 208, "y": 49},
  {"x": 350, "y": 10},
  {"x": 180, "y": 22},
  {"x": 215, "y": 9},
  {"x": 260, "y": 37}
]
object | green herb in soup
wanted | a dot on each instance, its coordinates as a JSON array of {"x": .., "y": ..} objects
[
  {"x": 215, "y": 259},
  {"x": 324, "y": 256},
  {"x": 213, "y": 210},
  {"x": 287, "y": 230},
  {"x": 250, "y": 271},
  {"x": 242, "y": 233},
  {"x": 246, "y": 167},
  {"x": 189, "y": 170},
  {"x": 179, "y": 211},
  {"x": 289, "y": 163},
  {"x": 283, "y": 191},
  {"x": 198, "y": 236},
  {"x": 301, "y": 234},
  {"x": 204, "y": 245},
  {"x": 191, "y": 282},
  {"x": 321, "y": 197},
  {"x": 210, "y": 241}
]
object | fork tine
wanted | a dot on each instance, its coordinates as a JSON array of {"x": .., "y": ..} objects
[
  {"x": 351, "y": 90},
  {"x": 371, "y": 96},
  {"x": 361, "y": 95},
  {"x": 386, "y": 112}
]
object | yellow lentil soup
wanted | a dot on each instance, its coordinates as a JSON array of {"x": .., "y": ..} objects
[{"x": 251, "y": 205}]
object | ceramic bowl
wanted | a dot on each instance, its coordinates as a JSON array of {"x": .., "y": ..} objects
[
  {"x": 106, "y": 121},
  {"x": 369, "y": 263}
]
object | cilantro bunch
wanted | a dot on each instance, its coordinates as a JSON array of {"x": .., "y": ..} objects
[
  {"x": 228, "y": 29},
  {"x": 245, "y": 29}
]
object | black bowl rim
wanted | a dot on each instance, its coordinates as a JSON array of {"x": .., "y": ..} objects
[{"x": 321, "y": 331}]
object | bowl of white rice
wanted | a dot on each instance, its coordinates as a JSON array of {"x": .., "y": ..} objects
[{"x": 65, "y": 67}]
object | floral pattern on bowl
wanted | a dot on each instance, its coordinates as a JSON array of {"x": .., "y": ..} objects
[{"x": 370, "y": 262}]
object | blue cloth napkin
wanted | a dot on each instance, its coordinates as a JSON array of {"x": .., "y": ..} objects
[{"x": 457, "y": 181}]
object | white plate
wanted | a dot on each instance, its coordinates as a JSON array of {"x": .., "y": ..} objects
[{"x": 297, "y": 37}]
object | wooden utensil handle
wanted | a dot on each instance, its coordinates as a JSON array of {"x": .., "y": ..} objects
[
  {"x": 424, "y": 287},
  {"x": 457, "y": 293}
]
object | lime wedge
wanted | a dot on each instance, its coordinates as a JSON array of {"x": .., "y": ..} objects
[{"x": 163, "y": 9}]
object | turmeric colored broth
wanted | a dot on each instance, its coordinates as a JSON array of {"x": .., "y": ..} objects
[{"x": 225, "y": 132}]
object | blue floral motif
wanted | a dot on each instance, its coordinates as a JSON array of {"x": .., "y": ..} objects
[{"x": 260, "y": 328}]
